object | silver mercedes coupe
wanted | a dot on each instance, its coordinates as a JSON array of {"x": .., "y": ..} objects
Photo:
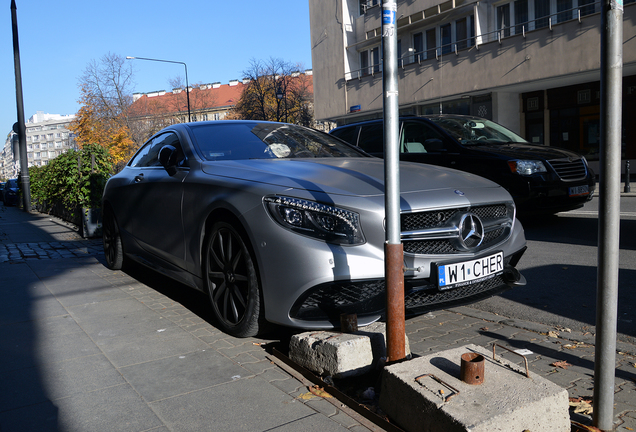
[{"x": 283, "y": 224}]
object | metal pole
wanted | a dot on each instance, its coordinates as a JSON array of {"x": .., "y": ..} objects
[
  {"x": 394, "y": 254},
  {"x": 628, "y": 188},
  {"x": 609, "y": 212},
  {"x": 20, "y": 126},
  {"x": 170, "y": 61}
]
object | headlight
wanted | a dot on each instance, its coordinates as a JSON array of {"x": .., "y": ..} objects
[
  {"x": 321, "y": 221},
  {"x": 526, "y": 167}
]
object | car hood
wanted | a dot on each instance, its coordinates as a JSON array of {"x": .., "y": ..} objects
[
  {"x": 525, "y": 151},
  {"x": 345, "y": 176}
]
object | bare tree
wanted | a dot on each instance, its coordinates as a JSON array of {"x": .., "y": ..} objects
[
  {"x": 108, "y": 83},
  {"x": 276, "y": 91},
  {"x": 200, "y": 99}
]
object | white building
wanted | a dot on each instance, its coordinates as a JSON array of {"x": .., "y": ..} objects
[{"x": 47, "y": 136}]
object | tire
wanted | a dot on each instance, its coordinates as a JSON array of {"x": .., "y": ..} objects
[
  {"x": 113, "y": 249},
  {"x": 231, "y": 281}
]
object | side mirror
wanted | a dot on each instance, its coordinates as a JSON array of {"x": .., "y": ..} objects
[
  {"x": 434, "y": 145},
  {"x": 168, "y": 159}
]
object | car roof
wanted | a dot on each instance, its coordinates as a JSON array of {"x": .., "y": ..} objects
[{"x": 418, "y": 117}]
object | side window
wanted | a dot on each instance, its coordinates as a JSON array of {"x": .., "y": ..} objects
[
  {"x": 347, "y": 134},
  {"x": 419, "y": 137},
  {"x": 142, "y": 155},
  {"x": 372, "y": 138},
  {"x": 148, "y": 155}
]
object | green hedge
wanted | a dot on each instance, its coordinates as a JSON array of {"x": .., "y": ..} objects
[{"x": 74, "y": 180}]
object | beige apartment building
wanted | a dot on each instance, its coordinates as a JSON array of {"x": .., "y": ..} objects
[{"x": 531, "y": 65}]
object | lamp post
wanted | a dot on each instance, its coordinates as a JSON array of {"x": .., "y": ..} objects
[
  {"x": 280, "y": 94},
  {"x": 170, "y": 61},
  {"x": 20, "y": 127}
]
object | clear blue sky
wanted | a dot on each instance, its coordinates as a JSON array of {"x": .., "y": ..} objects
[{"x": 216, "y": 39}]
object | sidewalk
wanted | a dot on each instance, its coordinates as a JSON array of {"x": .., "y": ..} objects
[{"x": 88, "y": 349}]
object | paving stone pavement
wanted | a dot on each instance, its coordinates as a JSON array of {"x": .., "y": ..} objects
[{"x": 86, "y": 348}]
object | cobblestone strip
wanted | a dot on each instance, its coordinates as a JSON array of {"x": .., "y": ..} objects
[{"x": 20, "y": 252}]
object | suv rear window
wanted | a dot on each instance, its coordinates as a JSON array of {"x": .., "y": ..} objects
[
  {"x": 347, "y": 134},
  {"x": 372, "y": 138}
]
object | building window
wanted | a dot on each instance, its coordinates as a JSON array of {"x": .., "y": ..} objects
[
  {"x": 446, "y": 37},
  {"x": 521, "y": 15},
  {"x": 370, "y": 61},
  {"x": 364, "y": 62},
  {"x": 418, "y": 46},
  {"x": 503, "y": 20},
  {"x": 465, "y": 32},
  {"x": 541, "y": 13},
  {"x": 587, "y": 7},
  {"x": 564, "y": 10},
  {"x": 375, "y": 55},
  {"x": 366, "y": 4},
  {"x": 431, "y": 44}
]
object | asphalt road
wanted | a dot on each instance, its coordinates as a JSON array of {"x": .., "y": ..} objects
[{"x": 560, "y": 266}]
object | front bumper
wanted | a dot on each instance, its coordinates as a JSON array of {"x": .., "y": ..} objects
[
  {"x": 367, "y": 298},
  {"x": 540, "y": 196}
]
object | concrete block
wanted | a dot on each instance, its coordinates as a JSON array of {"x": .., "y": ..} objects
[
  {"x": 376, "y": 332},
  {"x": 507, "y": 401},
  {"x": 341, "y": 355}
]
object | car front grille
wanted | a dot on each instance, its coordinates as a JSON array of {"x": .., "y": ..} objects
[
  {"x": 569, "y": 170},
  {"x": 497, "y": 220},
  {"x": 327, "y": 302}
]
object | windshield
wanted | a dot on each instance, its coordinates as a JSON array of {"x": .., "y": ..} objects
[
  {"x": 475, "y": 130},
  {"x": 252, "y": 140}
]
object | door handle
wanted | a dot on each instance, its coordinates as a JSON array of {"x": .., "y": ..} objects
[{"x": 139, "y": 178}]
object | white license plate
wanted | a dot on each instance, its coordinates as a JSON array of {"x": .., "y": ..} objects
[
  {"x": 454, "y": 275},
  {"x": 579, "y": 191}
]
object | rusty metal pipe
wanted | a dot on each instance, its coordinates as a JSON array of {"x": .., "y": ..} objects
[
  {"x": 472, "y": 368},
  {"x": 395, "y": 316}
]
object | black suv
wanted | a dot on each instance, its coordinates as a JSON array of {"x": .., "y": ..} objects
[{"x": 541, "y": 179}]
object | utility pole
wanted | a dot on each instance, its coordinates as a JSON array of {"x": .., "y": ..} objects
[
  {"x": 393, "y": 249},
  {"x": 609, "y": 212},
  {"x": 20, "y": 127}
]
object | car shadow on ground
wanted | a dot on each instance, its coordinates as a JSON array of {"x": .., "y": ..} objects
[
  {"x": 574, "y": 230},
  {"x": 196, "y": 301}
]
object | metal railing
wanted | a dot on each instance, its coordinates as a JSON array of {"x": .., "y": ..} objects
[{"x": 520, "y": 29}]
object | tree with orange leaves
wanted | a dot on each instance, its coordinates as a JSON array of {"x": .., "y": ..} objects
[{"x": 105, "y": 98}]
